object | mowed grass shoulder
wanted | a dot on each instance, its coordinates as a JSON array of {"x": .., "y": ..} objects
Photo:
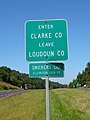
[
  {"x": 69, "y": 104},
  {"x": 65, "y": 104},
  {"x": 26, "y": 106}
]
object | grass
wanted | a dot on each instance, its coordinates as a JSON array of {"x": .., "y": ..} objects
[
  {"x": 26, "y": 106},
  {"x": 65, "y": 104},
  {"x": 69, "y": 104}
]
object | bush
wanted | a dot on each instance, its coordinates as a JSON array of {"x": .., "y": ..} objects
[{"x": 5, "y": 87}]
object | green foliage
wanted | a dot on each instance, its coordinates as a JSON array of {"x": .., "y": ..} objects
[
  {"x": 5, "y": 87},
  {"x": 20, "y": 79},
  {"x": 82, "y": 78}
]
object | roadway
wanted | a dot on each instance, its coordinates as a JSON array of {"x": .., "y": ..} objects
[
  {"x": 85, "y": 89},
  {"x": 8, "y": 93}
]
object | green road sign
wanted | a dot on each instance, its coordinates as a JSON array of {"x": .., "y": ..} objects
[
  {"x": 43, "y": 70},
  {"x": 46, "y": 40}
]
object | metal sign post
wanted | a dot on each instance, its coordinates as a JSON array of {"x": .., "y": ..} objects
[
  {"x": 47, "y": 99},
  {"x": 49, "y": 38},
  {"x": 46, "y": 70}
]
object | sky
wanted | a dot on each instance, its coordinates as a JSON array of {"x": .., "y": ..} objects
[{"x": 14, "y": 13}]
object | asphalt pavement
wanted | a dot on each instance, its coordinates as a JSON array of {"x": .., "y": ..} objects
[
  {"x": 8, "y": 93},
  {"x": 86, "y": 89}
]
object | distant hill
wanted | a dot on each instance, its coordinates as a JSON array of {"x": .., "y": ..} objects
[
  {"x": 21, "y": 79},
  {"x": 6, "y": 86}
]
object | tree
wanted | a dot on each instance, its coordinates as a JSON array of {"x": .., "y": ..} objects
[
  {"x": 82, "y": 78},
  {"x": 20, "y": 79}
]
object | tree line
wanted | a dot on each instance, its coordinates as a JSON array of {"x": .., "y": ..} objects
[
  {"x": 82, "y": 79},
  {"x": 20, "y": 79}
]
